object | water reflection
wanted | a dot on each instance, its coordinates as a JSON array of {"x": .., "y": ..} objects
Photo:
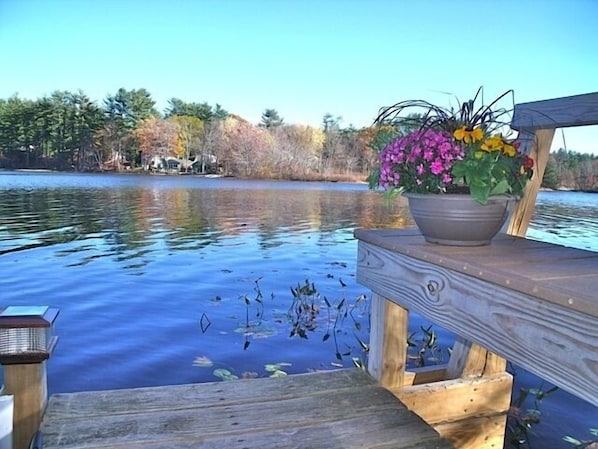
[
  {"x": 566, "y": 218},
  {"x": 131, "y": 222}
]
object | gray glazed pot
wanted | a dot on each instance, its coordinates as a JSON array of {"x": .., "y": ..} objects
[{"x": 457, "y": 220}]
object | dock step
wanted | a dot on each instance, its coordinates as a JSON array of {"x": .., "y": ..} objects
[{"x": 342, "y": 409}]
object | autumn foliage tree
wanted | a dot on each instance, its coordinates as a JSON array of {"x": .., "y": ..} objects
[
  {"x": 296, "y": 151},
  {"x": 191, "y": 132},
  {"x": 247, "y": 147},
  {"x": 158, "y": 138}
]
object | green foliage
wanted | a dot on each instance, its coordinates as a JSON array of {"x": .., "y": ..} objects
[
  {"x": 550, "y": 179},
  {"x": 129, "y": 107},
  {"x": 491, "y": 173},
  {"x": 224, "y": 374},
  {"x": 52, "y": 131},
  {"x": 271, "y": 118},
  {"x": 202, "y": 111},
  {"x": 576, "y": 170}
]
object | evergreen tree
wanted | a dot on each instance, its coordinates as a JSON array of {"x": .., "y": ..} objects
[
  {"x": 271, "y": 119},
  {"x": 550, "y": 179}
]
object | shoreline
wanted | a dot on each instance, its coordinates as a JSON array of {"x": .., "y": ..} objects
[{"x": 331, "y": 178}]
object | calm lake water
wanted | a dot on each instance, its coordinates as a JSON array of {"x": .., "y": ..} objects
[{"x": 176, "y": 279}]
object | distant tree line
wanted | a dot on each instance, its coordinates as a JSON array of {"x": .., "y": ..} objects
[
  {"x": 570, "y": 170},
  {"x": 67, "y": 131}
]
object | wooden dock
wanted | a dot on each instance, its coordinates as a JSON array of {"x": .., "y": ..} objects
[
  {"x": 342, "y": 409},
  {"x": 529, "y": 302}
]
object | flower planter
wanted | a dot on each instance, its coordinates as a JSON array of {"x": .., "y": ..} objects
[{"x": 457, "y": 220}]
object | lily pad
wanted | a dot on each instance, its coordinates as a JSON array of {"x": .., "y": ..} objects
[{"x": 224, "y": 374}]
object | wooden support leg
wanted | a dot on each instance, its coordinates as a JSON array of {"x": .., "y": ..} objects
[
  {"x": 540, "y": 152},
  {"x": 471, "y": 360},
  {"x": 468, "y": 412},
  {"x": 470, "y": 407},
  {"x": 27, "y": 383},
  {"x": 388, "y": 342}
]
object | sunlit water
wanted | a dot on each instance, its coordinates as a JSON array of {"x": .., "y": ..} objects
[{"x": 164, "y": 280}]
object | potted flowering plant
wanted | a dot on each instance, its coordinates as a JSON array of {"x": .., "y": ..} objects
[
  {"x": 449, "y": 152},
  {"x": 443, "y": 152}
]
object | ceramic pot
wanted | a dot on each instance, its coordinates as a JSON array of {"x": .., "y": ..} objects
[{"x": 458, "y": 220}]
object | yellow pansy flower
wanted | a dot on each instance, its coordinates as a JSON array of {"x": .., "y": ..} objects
[
  {"x": 509, "y": 149},
  {"x": 493, "y": 143},
  {"x": 467, "y": 135}
]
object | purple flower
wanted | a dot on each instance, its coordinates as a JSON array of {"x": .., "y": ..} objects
[
  {"x": 420, "y": 161},
  {"x": 437, "y": 167}
]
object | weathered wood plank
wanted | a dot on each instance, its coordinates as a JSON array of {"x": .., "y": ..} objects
[
  {"x": 28, "y": 384},
  {"x": 476, "y": 433},
  {"x": 382, "y": 431},
  {"x": 218, "y": 420},
  {"x": 395, "y": 345},
  {"x": 458, "y": 399},
  {"x": 89, "y": 404},
  {"x": 425, "y": 375},
  {"x": 387, "y": 360},
  {"x": 453, "y": 408},
  {"x": 555, "y": 342},
  {"x": 576, "y": 110},
  {"x": 495, "y": 264},
  {"x": 342, "y": 409},
  {"x": 539, "y": 152},
  {"x": 376, "y": 344},
  {"x": 471, "y": 360}
]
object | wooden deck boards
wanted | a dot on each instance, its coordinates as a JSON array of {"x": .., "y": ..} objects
[
  {"x": 532, "y": 303},
  {"x": 342, "y": 409},
  {"x": 553, "y": 273}
]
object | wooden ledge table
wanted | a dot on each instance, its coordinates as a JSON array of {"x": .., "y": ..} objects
[{"x": 529, "y": 302}]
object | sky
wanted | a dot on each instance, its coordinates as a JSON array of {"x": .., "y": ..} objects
[{"x": 305, "y": 58}]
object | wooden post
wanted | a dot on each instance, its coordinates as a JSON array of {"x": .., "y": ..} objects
[
  {"x": 28, "y": 340},
  {"x": 388, "y": 342},
  {"x": 540, "y": 152},
  {"x": 28, "y": 384},
  {"x": 472, "y": 360}
]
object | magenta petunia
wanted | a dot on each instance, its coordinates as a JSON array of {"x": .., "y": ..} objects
[
  {"x": 420, "y": 161},
  {"x": 437, "y": 167}
]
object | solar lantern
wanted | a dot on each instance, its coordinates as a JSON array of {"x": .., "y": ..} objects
[
  {"x": 27, "y": 334},
  {"x": 26, "y": 341}
]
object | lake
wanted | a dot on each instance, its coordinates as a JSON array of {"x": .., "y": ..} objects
[{"x": 177, "y": 279}]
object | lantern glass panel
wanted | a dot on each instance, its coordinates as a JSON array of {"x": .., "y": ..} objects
[{"x": 25, "y": 340}]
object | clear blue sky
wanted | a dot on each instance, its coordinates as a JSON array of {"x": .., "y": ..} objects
[{"x": 304, "y": 58}]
